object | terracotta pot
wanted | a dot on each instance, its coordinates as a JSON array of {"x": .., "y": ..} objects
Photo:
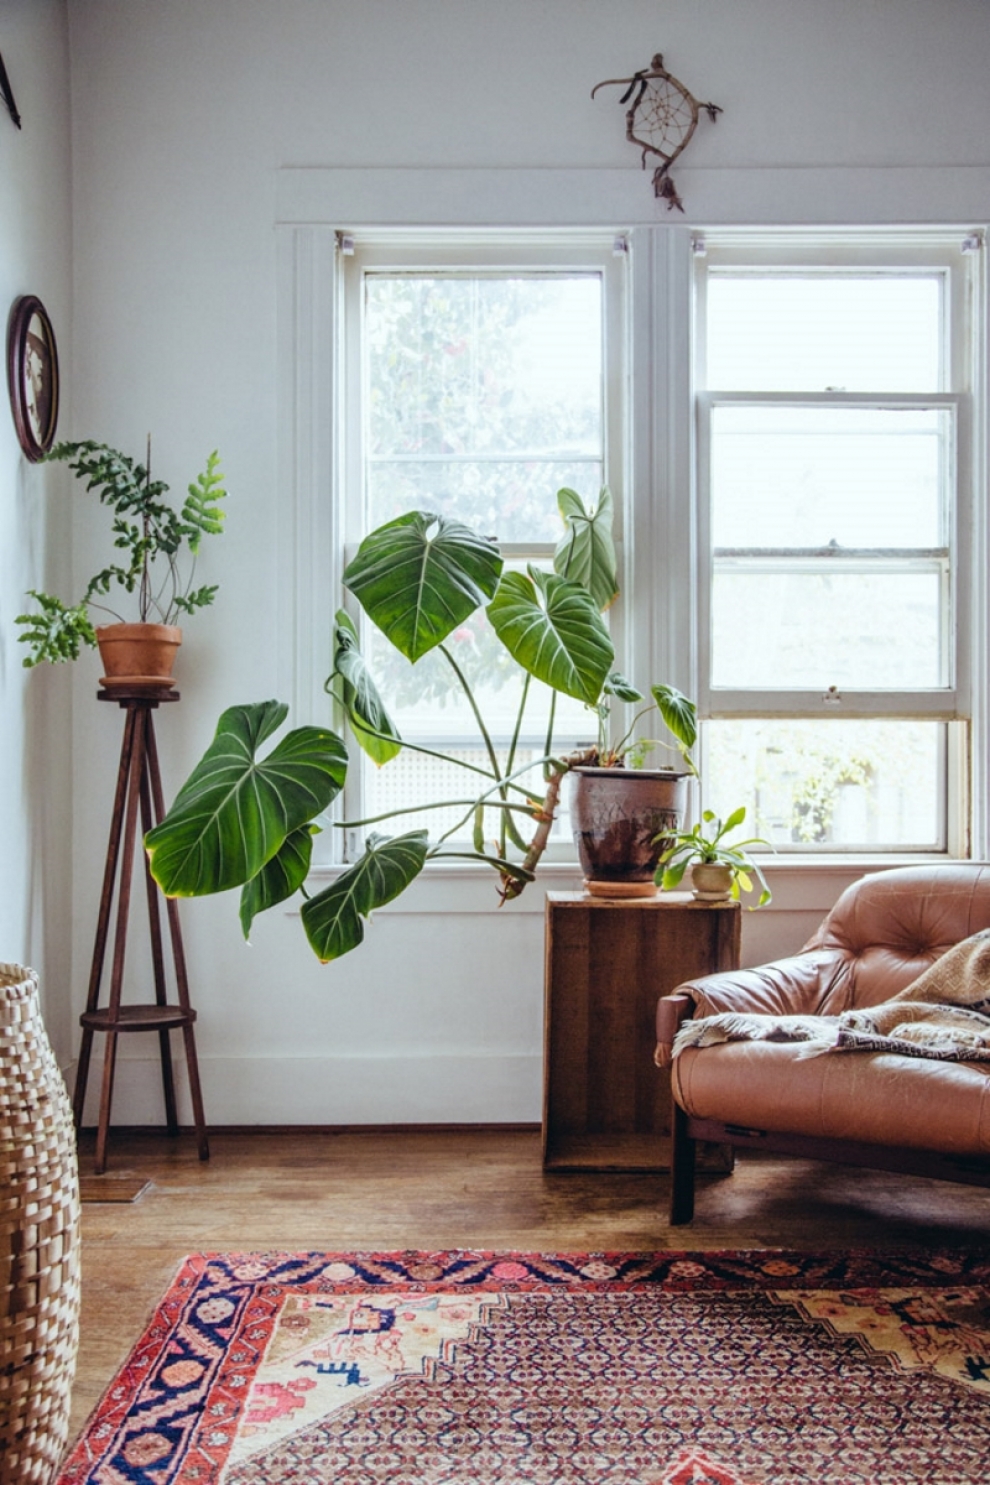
[
  {"x": 623, "y": 818},
  {"x": 140, "y": 654},
  {"x": 711, "y": 881}
]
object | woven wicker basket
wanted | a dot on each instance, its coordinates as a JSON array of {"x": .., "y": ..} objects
[{"x": 39, "y": 1240}]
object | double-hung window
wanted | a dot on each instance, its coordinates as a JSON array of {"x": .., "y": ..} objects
[
  {"x": 482, "y": 375},
  {"x": 835, "y": 472}
]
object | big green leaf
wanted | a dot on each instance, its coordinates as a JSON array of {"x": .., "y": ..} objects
[
  {"x": 624, "y": 690},
  {"x": 333, "y": 918},
  {"x": 420, "y": 576},
  {"x": 679, "y": 713},
  {"x": 279, "y": 878},
  {"x": 359, "y": 695},
  {"x": 552, "y": 627},
  {"x": 585, "y": 553},
  {"x": 235, "y": 810}
]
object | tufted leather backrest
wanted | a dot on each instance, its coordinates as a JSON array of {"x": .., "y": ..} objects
[{"x": 887, "y": 928}]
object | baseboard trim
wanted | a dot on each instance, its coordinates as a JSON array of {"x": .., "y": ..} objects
[
  {"x": 482, "y": 1127},
  {"x": 329, "y": 1091}
]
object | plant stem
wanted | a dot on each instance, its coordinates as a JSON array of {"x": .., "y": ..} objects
[
  {"x": 548, "y": 745},
  {"x": 489, "y": 745},
  {"x": 510, "y": 764},
  {"x": 437, "y": 804},
  {"x": 144, "y": 595},
  {"x": 533, "y": 807},
  {"x": 511, "y": 885},
  {"x": 620, "y": 748},
  {"x": 506, "y": 868}
]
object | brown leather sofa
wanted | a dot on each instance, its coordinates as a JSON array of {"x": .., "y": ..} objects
[{"x": 863, "y": 1108}]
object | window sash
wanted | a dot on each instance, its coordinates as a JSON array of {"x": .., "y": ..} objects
[
  {"x": 959, "y": 267},
  {"x": 945, "y": 701},
  {"x": 467, "y": 257},
  {"x": 948, "y": 823}
]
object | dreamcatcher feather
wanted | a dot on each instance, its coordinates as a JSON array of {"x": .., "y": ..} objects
[{"x": 661, "y": 118}]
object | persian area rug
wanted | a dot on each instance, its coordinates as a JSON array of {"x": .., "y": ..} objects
[{"x": 468, "y": 1368}]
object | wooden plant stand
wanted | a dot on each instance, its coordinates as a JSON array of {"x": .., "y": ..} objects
[
  {"x": 139, "y": 789},
  {"x": 605, "y": 1105}
]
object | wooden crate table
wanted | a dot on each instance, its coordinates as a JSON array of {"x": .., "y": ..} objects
[{"x": 606, "y": 1106}]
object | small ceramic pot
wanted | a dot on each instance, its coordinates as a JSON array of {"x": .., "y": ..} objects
[{"x": 711, "y": 881}]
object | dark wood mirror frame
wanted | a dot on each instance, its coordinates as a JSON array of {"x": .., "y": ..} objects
[{"x": 32, "y": 376}]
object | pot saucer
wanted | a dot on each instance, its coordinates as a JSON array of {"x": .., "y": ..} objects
[
  {"x": 620, "y": 889},
  {"x": 125, "y": 682}
]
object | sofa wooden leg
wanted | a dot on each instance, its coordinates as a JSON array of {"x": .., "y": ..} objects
[{"x": 682, "y": 1163}]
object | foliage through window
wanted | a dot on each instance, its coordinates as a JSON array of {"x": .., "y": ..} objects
[{"x": 482, "y": 395}]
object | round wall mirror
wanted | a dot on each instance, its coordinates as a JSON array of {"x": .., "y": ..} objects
[{"x": 32, "y": 376}]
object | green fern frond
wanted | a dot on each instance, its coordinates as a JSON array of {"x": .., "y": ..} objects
[
  {"x": 199, "y": 598},
  {"x": 201, "y": 512},
  {"x": 57, "y": 633}
]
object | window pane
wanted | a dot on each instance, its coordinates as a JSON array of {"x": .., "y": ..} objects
[
  {"x": 847, "y": 785},
  {"x": 514, "y": 501},
  {"x": 868, "y": 630},
  {"x": 809, "y": 333},
  {"x": 483, "y": 385},
  {"x": 813, "y": 476}
]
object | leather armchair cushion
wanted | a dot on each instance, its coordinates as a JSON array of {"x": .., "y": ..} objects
[{"x": 875, "y": 1098}]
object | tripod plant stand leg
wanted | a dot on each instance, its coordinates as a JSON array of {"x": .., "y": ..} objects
[
  {"x": 103, "y": 920},
  {"x": 178, "y": 960},
  {"x": 136, "y": 767},
  {"x": 157, "y": 951}
]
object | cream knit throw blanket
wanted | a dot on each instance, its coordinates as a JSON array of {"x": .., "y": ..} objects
[{"x": 944, "y": 1013}]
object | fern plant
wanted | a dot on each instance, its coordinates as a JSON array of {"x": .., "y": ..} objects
[{"x": 151, "y": 537}]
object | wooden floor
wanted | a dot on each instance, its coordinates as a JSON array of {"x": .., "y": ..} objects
[{"x": 453, "y": 1189}]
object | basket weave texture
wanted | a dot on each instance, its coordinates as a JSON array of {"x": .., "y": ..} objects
[{"x": 39, "y": 1240}]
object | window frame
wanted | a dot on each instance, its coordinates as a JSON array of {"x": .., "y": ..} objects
[
  {"x": 654, "y": 623},
  {"x": 951, "y": 256}
]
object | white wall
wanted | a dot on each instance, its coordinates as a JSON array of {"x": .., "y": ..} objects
[
  {"x": 184, "y": 114},
  {"x": 35, "y": 520}
]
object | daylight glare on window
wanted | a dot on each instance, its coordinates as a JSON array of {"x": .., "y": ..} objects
[
  {"x": 808, "y": 332},
  {"x": 811, "y": 476},
  {"x": 484, "y": 397},
  {"x": 830, "y": 783},
  {"x": 831, "y": 524}
]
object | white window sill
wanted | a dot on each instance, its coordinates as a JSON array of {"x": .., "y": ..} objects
[{"x": 799, "y": 883}]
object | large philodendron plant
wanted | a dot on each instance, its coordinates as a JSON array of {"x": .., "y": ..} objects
[{"x": 248, "y": 822}]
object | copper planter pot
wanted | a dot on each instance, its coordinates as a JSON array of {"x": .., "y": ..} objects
[
  {"x": 623, "y": 818},
  {"x": 138, "y": 654}
]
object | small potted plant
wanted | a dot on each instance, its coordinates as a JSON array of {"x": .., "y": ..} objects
[
  {"x": 623, "y": 812},
  {"x": 719, "y": 870},
  {"x": 153, "y": 537}
]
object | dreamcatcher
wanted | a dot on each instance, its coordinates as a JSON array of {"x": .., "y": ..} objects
[{"x": 661, "y": 118}]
